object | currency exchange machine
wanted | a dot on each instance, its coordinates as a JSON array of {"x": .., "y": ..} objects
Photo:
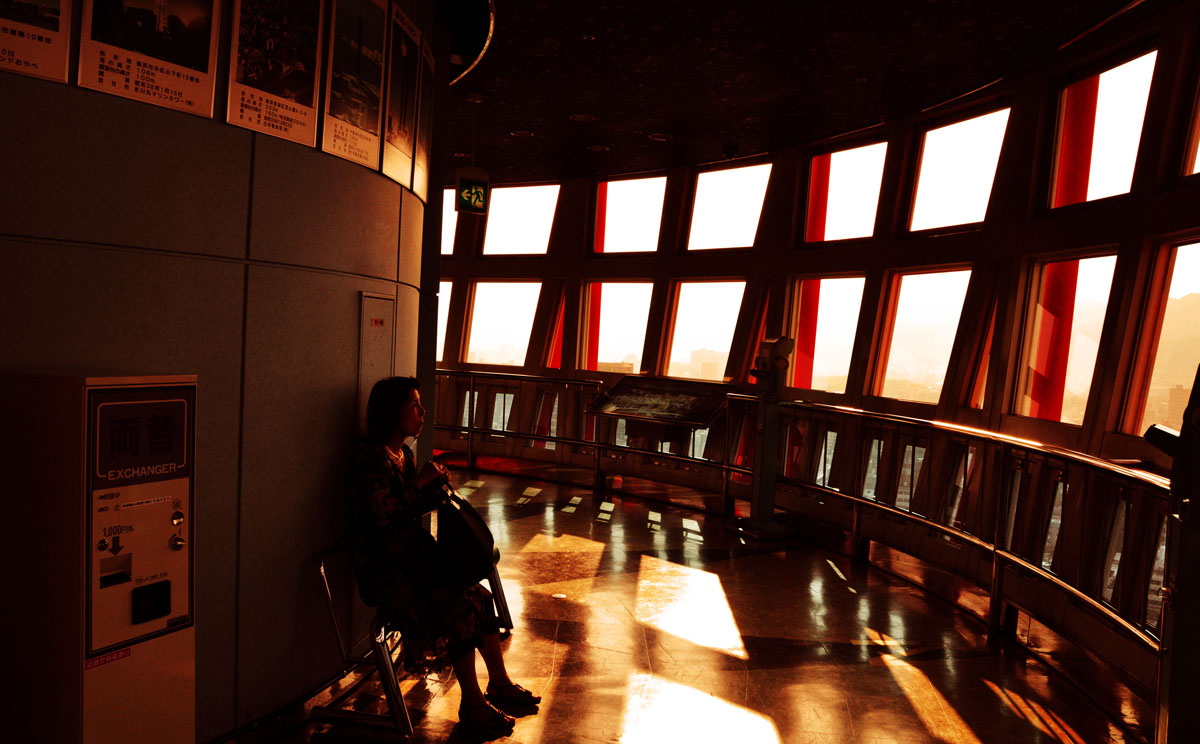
[{"x": 99, "y": 481}]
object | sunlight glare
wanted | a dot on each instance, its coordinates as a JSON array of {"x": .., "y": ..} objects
[
  {"x": 958, "y": 165},
  {"x": 633, "y": 214},
  {"x": 1120, "y": 111},
  {"x": 443, "y": 316},
  {"x": 926, "y": 322},
  {"x": 930, "y": 705},
  {"x": 855, "y": 177},
  {"x": 660, "y": 711},
  {"x": 704, "y": 321},
  {"x": 519, "y": 220},
  {"x": 688, "y": 603},
  {"x": 449, "y": 222},
  {"x": 837, "y": 322},
  {"x": 501, "y": 321},
  {"x": 727, "y": 207}
]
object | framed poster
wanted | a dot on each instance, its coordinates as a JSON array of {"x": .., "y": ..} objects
[
  {"x": 156, "y": 51},
  {"x": 401, "y": 112},
  {"x": 275, "y": 56},
  {"x": 420, "y": 185},
  {"x": 354, "y": 91},
  {"x": 35, "y": 38}
]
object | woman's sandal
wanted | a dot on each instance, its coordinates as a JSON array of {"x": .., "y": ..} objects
[
  {"x": 512, "y": 695},
  {"x": 483, "y": 716}
]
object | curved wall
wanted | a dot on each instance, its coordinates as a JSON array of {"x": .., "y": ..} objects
[{"x": 138, "y": 240}]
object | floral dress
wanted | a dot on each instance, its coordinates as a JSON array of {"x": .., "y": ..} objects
[{"x": 396, "y": 563}]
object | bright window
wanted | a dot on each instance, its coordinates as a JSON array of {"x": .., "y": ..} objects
[
  {"x": 628, "y": 215},
  {"x": 843, "y": 193},
  {"x": 1060, "y": 352},
  {"x": 616, "y": 332},
  {"x": 702, "y": 331},
  {"x": 1099, "y": 130},
  {"x": 449, "y": 222},
  {"x": 519, "y": 220},
  {"x": 501, "y": 319},
  {"x": 727, "y": 207},
  {"x": 958, "y": 165},
  {"x": 443, "y": 315},
  {"x": 1178, "y": 350},
  {"x": 926, "y": 318},
  {"x": 826, "y": 319}
]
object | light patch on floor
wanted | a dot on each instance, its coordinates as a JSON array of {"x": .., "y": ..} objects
[
  {"x": 687, "y": 603},
  {"x": 658, "y": 711}
]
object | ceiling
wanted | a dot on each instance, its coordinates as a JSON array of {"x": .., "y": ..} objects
[{"x": 582, "y": 89}]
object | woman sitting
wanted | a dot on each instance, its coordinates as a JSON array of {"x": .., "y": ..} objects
[{"x": 398, "y": 567}]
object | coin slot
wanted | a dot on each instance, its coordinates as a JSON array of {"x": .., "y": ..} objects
[{"x": 116, "y": 570}]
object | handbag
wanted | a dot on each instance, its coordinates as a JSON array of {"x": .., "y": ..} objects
[{"x": 465, "y": 543}]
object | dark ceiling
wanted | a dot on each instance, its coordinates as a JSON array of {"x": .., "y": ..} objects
[{"x": 572, "y": 89}]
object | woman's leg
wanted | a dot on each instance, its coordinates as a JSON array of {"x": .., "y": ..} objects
[
  {"x": 493, "y": 658},
  {"x": 468, "y": 681}
]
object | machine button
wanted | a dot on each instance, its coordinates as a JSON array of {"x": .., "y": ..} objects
[
  {"x": 177, "y": 542},
  {"x": 177, "y": 518},
  {"x": 102, "y": 545}
]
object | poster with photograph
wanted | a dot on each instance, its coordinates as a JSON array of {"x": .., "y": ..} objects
[
  {"x": 401, "y": 112},
  {"x": 420, "y": 184},
  {"x": 156, "y": 51},
  {"x": 273, "y": 69},
  {"x": 35, "y": 38},
  {"x": 354, "y": 89}
]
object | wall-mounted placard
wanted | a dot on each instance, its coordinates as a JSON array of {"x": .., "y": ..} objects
[
  {"x": 274, "y": 61},
  {"x": 355, "y": 81},
  {"x": 35, "y": 38},
  {"x": 401, "y": 112},
  {"x": 420, "y": 184},
  {"x": 155, "y": 51}
]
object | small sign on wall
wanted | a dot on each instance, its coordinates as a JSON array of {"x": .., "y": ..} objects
[
  {"x": 35, "y": 38},
  {"x": 155, "y": 52},
  {"x": 274, "y": 59}
]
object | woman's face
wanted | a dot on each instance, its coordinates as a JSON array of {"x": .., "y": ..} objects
[{"x": 412, "y": 416}]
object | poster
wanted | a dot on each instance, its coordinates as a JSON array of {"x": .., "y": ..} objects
[
  {"x": 155, "y": 51},
  {"x": 354, "y": 91},
  {"x": 401, "y": 112},
  {"x": 420, "y": 185},
  {"x": 35, "y": 38},
  {"x": 274, "y": 59}
]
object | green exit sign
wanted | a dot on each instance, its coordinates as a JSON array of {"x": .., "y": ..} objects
[{"x": 472, "y": 195}]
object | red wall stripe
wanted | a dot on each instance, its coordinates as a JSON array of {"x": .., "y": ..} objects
[
  {"x": 601, "y": 215},
  {"x": 806, "y": 333},
  {"x": 1053, "y": 341},
  {"x": 554, "y": 358},
  {"x": 818, "y": 198},
  {"x": 593, "y": 326},
  {"x": 1075, "y": 143}
]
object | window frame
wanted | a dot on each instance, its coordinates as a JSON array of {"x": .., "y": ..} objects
[
  {"x": 483, "y": 228},
  {"x": 469, "y": 318},
  {"x": 791, "y": 318},
  {"x": 803, "y": 207},
  {"x": 593, "y": 221},
  {"x": 693, "y": 185},
  {"x": 667, "y": 342}
]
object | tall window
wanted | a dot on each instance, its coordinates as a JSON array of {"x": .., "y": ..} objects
[
  {"x": 1099, "y": 129},
  {"x": 826, "y": 317},
  {"x": 616, "y": 329},
  {"x": 727, "y": 207},
  {"x": 925, "y": 321},
  {"x": 519, "y": 220},
  {"x": 501, "y": 319},
  {"x": 702, "y": 329},
  {"x": 628, "y": 215},
  {"x": 443, "y": 316},
  {"x": 449, "y": 222},
  {"x": 1178, "y": 345},
  {"x": 843, "y": 193},
  {"x": 958, "y": 165},
  {"x": 1060, "y": 350}
]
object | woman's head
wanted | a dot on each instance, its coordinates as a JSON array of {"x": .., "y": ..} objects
[{"x": 394, "y": 408}]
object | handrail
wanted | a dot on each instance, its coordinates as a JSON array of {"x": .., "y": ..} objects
[{"x": 516, "y": 377}]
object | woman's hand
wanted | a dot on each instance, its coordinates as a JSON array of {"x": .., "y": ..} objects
[{"x": 432, "y": 472}]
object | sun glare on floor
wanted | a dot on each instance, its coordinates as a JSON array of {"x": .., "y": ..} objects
[
  {"x": 688, "y": 603},
  {"x": 1043, "y": 720},
  {"x": 930, "y": 705},
  {"x": 660, "y": 711}
]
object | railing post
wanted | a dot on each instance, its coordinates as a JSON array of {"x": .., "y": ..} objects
[
  {"x": 471, "y": 423},
  {"x": 1177, "y": 716}
]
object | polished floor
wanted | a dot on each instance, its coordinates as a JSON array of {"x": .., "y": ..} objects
[{"x": 641, "y": 622}]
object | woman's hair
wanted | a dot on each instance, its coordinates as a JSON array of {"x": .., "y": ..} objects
[{"x": 383, "y": 407}]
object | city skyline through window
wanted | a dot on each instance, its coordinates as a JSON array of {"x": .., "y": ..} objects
[
  {"x": 501, "y": 319},
  {"x": 619, "y": 312},
  {"x": 926, "y": 320},
  {"x": 702, "y": 329},
  {"x": 1174, "y": 366}
]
